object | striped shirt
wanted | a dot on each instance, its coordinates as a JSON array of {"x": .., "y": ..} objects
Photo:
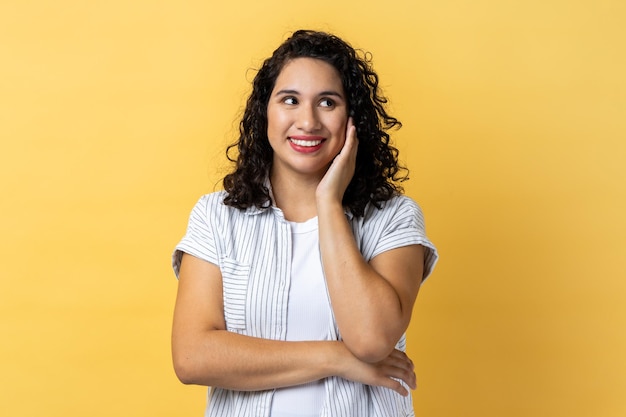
[{"x": 252, "y": 248}]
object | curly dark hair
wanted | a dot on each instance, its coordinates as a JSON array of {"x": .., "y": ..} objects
[{"x": 377, "y": 171}]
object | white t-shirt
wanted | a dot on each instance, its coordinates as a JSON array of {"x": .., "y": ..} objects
[{"x": 309, "y": 317}]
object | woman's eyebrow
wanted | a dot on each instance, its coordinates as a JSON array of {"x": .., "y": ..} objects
[
  {"x": 294, "y": 92},
  {"x": 331, "y": 93}
]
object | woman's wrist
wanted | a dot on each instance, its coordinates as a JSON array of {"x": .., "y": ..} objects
[
  {"x": 327, "y": 205},
  {"x": 337, "y": 359}
]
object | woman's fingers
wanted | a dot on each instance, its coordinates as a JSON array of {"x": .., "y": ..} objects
[
  {"x": 342, "y": 168},
  {"x": 398, "y": 365},
  {"x": 391, "y": 372}
]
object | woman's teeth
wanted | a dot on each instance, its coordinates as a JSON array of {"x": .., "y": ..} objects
[{"x": 307, "y": 143}]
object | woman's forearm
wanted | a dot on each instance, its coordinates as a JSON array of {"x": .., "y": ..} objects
[{"x": 228, "y": 360}]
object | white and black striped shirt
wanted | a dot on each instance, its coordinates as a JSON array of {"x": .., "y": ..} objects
[{"x": 253, "y": 250}]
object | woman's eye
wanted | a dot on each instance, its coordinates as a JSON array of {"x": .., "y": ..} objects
[
  {"x": 327, "y": 103},
  {"x": 290, "y": 100}
]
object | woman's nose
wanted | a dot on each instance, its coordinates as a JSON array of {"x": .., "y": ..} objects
[{"x": 307, "y": 119}]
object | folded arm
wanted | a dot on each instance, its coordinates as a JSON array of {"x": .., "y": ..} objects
[
  {"x": 205, "y": 353},
  {"x": 372, "y": 301}
]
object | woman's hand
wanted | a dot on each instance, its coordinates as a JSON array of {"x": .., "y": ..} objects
[
  {"x": 334, "y": 183},
  {"x": 386, "y": 373}
]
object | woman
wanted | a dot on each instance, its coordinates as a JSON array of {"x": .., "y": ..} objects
[{"x": 297, "y": 282}]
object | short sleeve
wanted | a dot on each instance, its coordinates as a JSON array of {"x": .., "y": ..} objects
[
  {"x": 199, "y": 239},
  {"x": 401, "y": 223}
]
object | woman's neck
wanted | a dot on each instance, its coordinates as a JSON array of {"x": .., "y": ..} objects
[{"x": 295, "y": 197}]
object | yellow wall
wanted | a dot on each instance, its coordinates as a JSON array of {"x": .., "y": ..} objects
[{"x": 113, "y": 119}]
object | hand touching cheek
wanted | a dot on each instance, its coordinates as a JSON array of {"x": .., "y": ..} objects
[{"x": 340, "y": 173}]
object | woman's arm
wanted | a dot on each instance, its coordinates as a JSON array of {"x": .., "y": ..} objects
[
  {"x": 205, "y": 353},
  {"x": 372, "y": 302}
]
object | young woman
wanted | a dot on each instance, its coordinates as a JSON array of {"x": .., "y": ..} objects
[{"x": 297, "y": 282}]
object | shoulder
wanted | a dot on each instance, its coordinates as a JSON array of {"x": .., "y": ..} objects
[
  {"x": 402, "y": 202},
  {"x": 212, "y": 209},
  {"x": 214, "y": 199},
  {"x": 398, "y": 213},
  {"x": 394, "y": 223},
  {"x": 214, "y": 203},
  {"x": 397, "y": 206}
]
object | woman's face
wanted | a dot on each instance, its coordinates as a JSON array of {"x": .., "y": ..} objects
[{"x": 306, "y": 118}]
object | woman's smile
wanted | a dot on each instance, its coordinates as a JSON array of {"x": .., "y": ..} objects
[{"x": 306, "y": 144}]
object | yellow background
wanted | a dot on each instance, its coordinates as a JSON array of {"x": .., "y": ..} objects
[{"x": 113, "y": 120}]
